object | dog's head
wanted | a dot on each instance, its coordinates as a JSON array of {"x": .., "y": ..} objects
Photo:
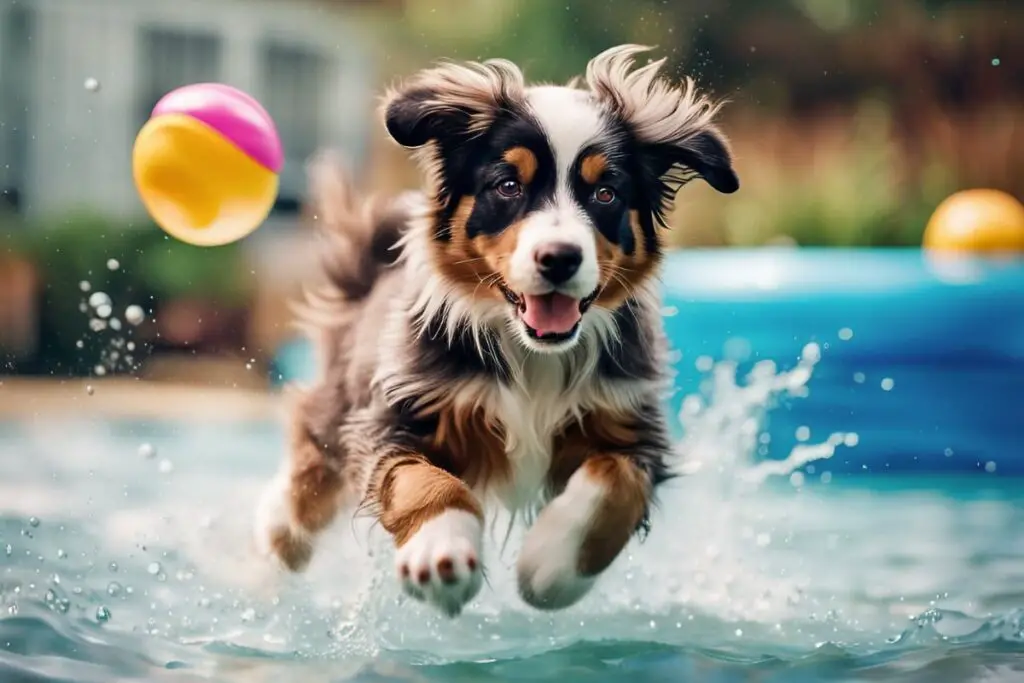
[{"x": 548, "y": 200}]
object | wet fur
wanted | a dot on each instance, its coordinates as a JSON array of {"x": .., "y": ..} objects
[{"x": 431, "y": 405}]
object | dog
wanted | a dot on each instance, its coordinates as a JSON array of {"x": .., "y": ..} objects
[{"x": 496, "y": 339}]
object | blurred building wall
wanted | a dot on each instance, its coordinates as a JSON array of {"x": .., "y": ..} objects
[{"x": 66, "y": 147}]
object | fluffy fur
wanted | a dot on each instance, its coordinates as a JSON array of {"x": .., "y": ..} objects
[{"x": 496, "y": 338}]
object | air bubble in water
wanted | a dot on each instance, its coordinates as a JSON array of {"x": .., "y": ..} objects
[
  {"x": 990, "y": 466},
  {"x": 888, "y": 384},
  {"x": 846, "y": 334},
  {"x": 79, "y": 344},
  {"x": 102, "y": 614},
  {"x": 803, "y": 433},
  {"x": 33, "y": 522},
  {"x": 92, "y": 84},
  {"x": 147, "y": 451},
  {"x": 115, "y": 324},
  {"x": 113, "y": 264},
  {"x": 84, "y": 285},
  {"x": 859, "y": 377},
  {"x": 153, "y": 568},
  {"x": 104, "y": 310},
  {"x": 134, "y": 315},
  {"x": 114, "y": 589}
]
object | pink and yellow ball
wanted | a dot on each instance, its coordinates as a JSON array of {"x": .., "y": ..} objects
[{"x": 206, "y": 164}]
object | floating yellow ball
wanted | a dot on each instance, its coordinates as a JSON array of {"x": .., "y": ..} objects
[
  {"x": 206, "y": 164},
  {"x": 978, "y": 220}
]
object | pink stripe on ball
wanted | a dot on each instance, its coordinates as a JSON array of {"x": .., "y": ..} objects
[{"x": 232, "y": 113}]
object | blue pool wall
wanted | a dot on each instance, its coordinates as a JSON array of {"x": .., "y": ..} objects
[{"x": 945, "y": 336}]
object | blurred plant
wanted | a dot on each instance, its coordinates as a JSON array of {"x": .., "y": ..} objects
[{"x": 150, "y": 270}]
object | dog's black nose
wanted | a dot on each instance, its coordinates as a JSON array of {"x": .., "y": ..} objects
[{"x": 558, "y": 261}]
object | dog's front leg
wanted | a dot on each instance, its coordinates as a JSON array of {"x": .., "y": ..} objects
[
  {"x": 579, "y": 533},
  {"x": 437, "y": 525}
]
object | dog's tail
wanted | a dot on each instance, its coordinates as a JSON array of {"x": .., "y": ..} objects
[{"x": 357, "y": 238}]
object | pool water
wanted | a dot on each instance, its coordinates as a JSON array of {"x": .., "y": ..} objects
[{"x": 125, "y": 554}]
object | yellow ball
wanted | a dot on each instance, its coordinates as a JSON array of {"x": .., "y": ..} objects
[
  {"x": 978, "y": 220},
  {"x": 206, "y": 164}
]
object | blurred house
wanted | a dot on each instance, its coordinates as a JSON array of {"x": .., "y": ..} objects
[{"x": 78, "y": 79}]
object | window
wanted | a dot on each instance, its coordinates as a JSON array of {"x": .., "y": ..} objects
[
  {"x": 293, "y": 78},
  {"x": 16, "y": 74},
  {"x": 170, "y": 58}
]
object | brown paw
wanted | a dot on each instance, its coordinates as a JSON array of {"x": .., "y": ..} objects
[{"x": 293, "y": 551}]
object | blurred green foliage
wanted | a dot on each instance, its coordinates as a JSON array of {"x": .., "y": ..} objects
[{"x": 152, "y": 268}]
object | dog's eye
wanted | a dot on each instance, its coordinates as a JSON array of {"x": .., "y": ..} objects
[
  {"x": 509, "y": 189},
  {"x": 604, "y": 195}
]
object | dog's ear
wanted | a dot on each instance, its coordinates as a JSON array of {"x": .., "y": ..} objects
[
  {"x": 451, "y": 100},
  {"x": 704, "y": 153},
  {"x": 414, "y": 117},
  {"x": 672, "y": 124}
]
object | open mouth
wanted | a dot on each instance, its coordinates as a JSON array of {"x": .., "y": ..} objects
[{"x": 550, "y": 318}]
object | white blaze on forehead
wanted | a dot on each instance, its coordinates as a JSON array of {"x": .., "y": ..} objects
[{"x": 569, "y": 119}]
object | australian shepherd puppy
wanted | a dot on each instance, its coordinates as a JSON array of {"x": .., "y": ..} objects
[{"x": 497, "y": 338}]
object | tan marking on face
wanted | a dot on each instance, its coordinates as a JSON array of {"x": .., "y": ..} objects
[
  {"x": 409, "y": 491},
  {"x": 593, "y": 167},
  {"x": 475, "y": 265},
  {"x": 627, "y": 492},
  {"x": 525, "y": 162},
  {"x": 622, "y": 274}
]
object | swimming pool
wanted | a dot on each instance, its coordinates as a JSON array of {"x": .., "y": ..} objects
[{"x": 126, "y": 556}]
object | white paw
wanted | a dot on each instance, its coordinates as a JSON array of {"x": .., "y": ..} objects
[
  {"x": 441, "y": 563},
  {"x": 548, "y": 564}
]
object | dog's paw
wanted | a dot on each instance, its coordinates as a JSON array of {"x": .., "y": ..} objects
[
  {"x": 274, "y": 534},
  {"x": 548, "y": 564},
  {"x": 441, "y": 563}
]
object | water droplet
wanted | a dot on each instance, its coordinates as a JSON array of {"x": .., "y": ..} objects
[
  {"x": 99, "y": 299},
  {"x": 153, "y": 568},
  {"x": 704, "y": 364},
  {"x": 113, "y": 264},
  {"x": 104, "y": 310},
  {"x": 803, "y": 433},
  {"x": 249, "y": 614},
  {"x": 99, "y": 370},
  {"x": 92, "y": 84},
  {"x": 826, "y": 477},
  {"x": 846, "y": 334},
  {"x": 990, "y": 466},
  {"x": 131, "y": 345},
  {"x": 763, "y": 540},
  {"x": 84, "y": 285},
  {"x": 61, "y": 554},
  {"x": 739, "y": 633},
  {"x": 8, "y": 550},
  {"x": 102, "y": 614},
  {"x": 114, "y": 589},
  {"x": 859, "y": 377},
  {"x": 165, "y": 466},
  {"x": 797, "y": 479},
  {"x": 948, "y": 452},
  {"x": 811, "y": 353},
  {"x": 115, "y": 324},
  {"x": 995, "y": 61},
  {"x": 33, "y": 522},
  {"x": 134, "y": 314},
  {"x": 888, "y": 384},
  {"x": 97, "y": 325},
  {"x": 79, "y": 344},
  {"x": 147, "y": 450},
  {"x": 112, "y": 567},
  {"x": 89, "y": 390},
  {"x": 850, "y": 440}
]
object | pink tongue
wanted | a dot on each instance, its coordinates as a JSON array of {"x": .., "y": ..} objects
[{"x": 550, "y": 313}]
